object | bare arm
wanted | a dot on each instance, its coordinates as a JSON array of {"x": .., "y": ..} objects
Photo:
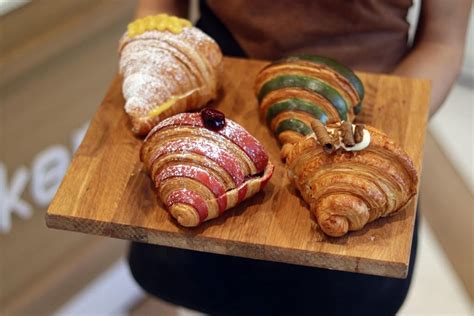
[
  {"x": 172, "y": 7},
  {"x": 439, "y": 46}
]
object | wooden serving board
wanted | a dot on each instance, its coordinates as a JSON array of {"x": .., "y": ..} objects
[{"x": 107, "y": 192}]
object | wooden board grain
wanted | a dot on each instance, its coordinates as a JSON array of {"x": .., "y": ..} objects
[{"x": 107, "y": 192}]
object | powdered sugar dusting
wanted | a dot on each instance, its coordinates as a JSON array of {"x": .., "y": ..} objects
[
  {"x": 197, "y": 173},
  {"x": 153, "y": 73},
  {"x": 207, "y": 148},
  {"x": 233, "y": 131},
  {"x": 142, "y": 92}
]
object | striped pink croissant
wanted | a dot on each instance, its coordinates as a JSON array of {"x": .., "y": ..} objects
[{"x": 203, "y": 164}]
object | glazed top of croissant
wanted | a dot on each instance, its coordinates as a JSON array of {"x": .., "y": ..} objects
[{"x": 231, "y": 147}]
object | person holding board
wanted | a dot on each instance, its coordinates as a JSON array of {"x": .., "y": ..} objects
[{"x": 365, "y": 35}]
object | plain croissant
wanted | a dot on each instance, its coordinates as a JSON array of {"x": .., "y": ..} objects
[
  {"x": 346, "y": 190},
  {"x": 168, "y": 67},
  {"x": 203, "y": 164}
]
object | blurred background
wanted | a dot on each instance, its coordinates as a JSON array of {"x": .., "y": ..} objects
[{"x": 56, "y": 61}]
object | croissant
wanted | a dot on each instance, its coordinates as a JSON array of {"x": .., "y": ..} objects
[
  {"x": 168, "y": 67},
  {"x": 203, "y": 164},
  {"x": 296, "y": 90},
  {"x": 348, "y": 189}
]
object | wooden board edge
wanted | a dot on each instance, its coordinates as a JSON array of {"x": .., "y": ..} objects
[
  {"x": 231, "y": 248},
  {"x": 425, "y": 84},
  {"x": 415, "y": 199}
]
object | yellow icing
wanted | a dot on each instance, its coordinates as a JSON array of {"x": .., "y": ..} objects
[
  {"x": 160, "y": 22},
  {"x": 163, "y": 107}
]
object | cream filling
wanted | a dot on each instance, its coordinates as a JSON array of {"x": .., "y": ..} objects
[
  {"x": 357, "y": 147},
  {"x": 160, "y": 22},
  {"x": 170, "y": 102}
]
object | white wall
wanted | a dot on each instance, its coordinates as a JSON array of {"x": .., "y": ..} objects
[{"x": 10, "y": 5}]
